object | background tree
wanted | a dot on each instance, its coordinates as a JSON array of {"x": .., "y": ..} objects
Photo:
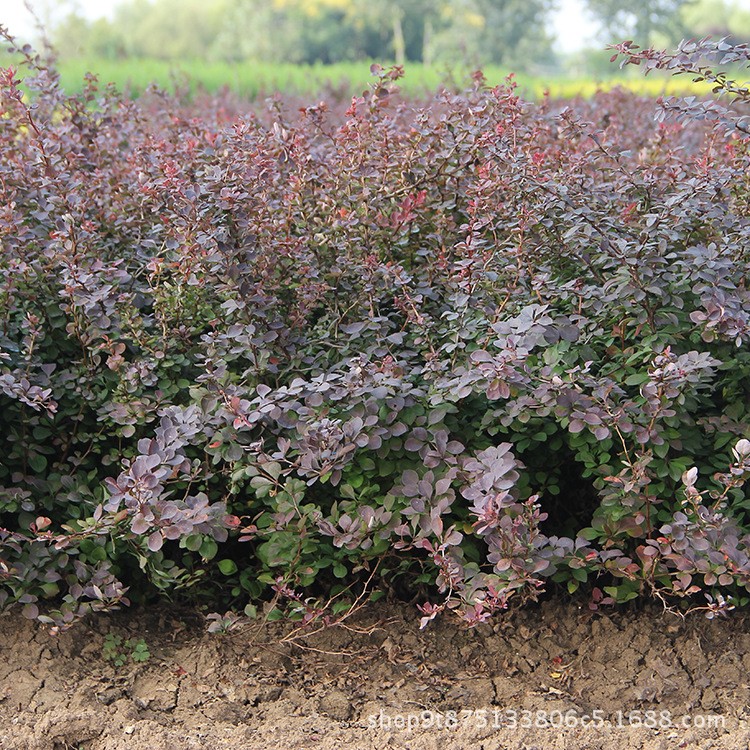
[
  {"x": 643, "y": 21},
  {"x": 170, "y": 29},
  {"x": 512, "y": 32},
  {"x": 407, "y": 27},
  {"x": 515, "y": 30},
  {"x": 478, "y": 32},
  {"x": 718, "y": 19},
  {"x": 260, "y": 30}
]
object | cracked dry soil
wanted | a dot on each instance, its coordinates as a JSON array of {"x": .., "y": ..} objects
[{"x": 389, "y": 687}]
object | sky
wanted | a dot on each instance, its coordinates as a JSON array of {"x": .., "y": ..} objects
[{"x": 573, "y": 27}]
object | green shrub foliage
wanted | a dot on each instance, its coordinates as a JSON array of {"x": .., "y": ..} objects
[{"x": 475, "y": 346}]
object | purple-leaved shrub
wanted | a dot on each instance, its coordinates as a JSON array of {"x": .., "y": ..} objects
[{"x": 474, "y": 345}]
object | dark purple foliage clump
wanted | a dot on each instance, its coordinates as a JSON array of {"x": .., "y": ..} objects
[{"x": 473, "y": 346}]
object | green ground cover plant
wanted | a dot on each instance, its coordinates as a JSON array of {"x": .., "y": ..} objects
[
  {"x": 469, "y": 348},
  {"x": 119, "y": 651},
  {"x": 253, "y": 80}
]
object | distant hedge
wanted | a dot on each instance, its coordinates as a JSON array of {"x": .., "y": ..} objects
[{"x": 470, "y": 348}]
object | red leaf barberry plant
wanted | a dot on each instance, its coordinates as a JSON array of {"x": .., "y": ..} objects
[
  {"x": 473, "y": 346},
  {"x": 703, "y": 61}
]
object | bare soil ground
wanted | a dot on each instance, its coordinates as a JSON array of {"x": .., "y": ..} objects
[{"x": 552, "y": 676}]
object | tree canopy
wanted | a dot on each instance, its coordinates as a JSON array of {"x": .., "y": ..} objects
[
  {"x": 309, "y": 31},
  {"x": 516, "y": 33}
]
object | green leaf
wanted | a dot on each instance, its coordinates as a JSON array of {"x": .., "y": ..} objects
[
  {"x": 262, "y": 486},
  {"x": 347, "y": 491},
  {"x": 273, "y": 469},
  {"x": 637, "y": 378},
  {"x": 193, "y": 542},
  {"x": 37, "y": 462},
  {"x": 580, "y": 574},
  {"x": 589, "y": 533},
  {"x": 97, "y": 554},
  {"x": 227, "y": 567},
  {"x": 661, "y": 450},
  {"x": 678, "y": 467},
  {"x": 280, "y": 549},
  {"x": 341, "y": 606},
  {"x": 208, "y": 549}
]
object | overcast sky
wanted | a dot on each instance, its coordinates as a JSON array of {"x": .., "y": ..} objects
[{"x": 573, "y": 28}]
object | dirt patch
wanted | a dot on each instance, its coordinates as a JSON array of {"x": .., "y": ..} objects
[{"x": 554, "y": 676}]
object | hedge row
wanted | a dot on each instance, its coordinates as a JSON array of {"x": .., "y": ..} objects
[{"x": 470, "y": 348}]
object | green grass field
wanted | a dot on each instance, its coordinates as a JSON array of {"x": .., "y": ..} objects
[{"x": 252, "y": 80}]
